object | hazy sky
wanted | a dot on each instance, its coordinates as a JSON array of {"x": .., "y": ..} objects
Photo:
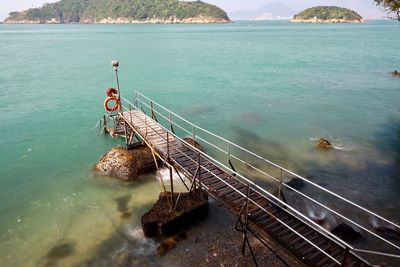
[{"x": 363, "y": 6}]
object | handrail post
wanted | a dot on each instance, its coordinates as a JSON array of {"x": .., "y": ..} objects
[
  {"x": 229, "y": 153},
  {"x": 199, "y": 179},
  {"x": 145, "y": 122},
  {"x": 168, "y": 146},
  {"x": 169, "y": 120},
  {"x": 193, "y": 134},
  {"x": 280, "y": 186},
  {"x": 172, "y": 188},
  {"x": 104, "y": 123},
  {"x": 130, "y": 114},
  {"x": 345, "y": 256},
  {"x": 135, "y": 100},
  {"x": 152, "y": 109}
]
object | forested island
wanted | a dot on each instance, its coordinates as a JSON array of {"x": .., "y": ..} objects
[
  {"x": 121, "y": 11},
  {"x": 327, "y": 14}
]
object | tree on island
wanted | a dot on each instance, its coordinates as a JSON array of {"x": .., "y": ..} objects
[{"x": 391, "y": 6}]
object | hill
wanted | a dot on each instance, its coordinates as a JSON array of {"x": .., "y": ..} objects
[
  {"x": 121, "y": 11},
  {"x": 328, "y": 14}
]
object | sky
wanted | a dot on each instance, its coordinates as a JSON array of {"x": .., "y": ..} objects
[{"x": 365, "y": 7}]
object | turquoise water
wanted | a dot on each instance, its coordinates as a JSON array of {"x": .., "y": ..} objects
[{"x": 274, "y": 87}]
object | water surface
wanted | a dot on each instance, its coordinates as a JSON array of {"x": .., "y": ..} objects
[{"x": 273, "y": 87}]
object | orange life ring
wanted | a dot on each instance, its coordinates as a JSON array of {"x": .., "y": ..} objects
[
  {"x": 111, "y": 92},
  {"x": 115, "y": 107}
]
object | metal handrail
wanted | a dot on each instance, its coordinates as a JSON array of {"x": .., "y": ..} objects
[
  {"x": 265, "y": 174},
  {"x": 291, "y": 188},
  {"x": 270, "y": 162},
  {"x": 235, "y": 189},
  {"x": 263, "y": 192}
]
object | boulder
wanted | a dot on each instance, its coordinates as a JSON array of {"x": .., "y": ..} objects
[
  {"x": 346, "y": 232},
  {"x": 324, "y": 144},
  {"x": 296, "y": 183},
  {"x": 388, "y": 232},
  {"x": 192, "y": 142},
  {"x": 161, "y": 220},
  {"x": 126, "y": 164}
]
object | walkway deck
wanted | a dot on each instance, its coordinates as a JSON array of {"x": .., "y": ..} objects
[{"x": 274, "y": 225}]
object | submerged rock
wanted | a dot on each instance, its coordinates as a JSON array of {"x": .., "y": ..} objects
[
  {"x": 296, "y": 183},
  {"x": 169, "y": 243},
  {"x": 324, "y": 144},
  {"x": 346, "y": 232},
  {"x": 126, "y": 164},
  {"x": 194, "y": 143},
  {"x": 161, "y": 220},
  {"x": 388, "y": 232}
]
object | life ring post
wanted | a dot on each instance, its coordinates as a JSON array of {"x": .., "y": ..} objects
[{"x": 115, "y": 65}]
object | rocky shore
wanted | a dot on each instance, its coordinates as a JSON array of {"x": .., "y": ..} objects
[
  {"x": 202, "y": 19},
  {"x": 316, "y": 20}
]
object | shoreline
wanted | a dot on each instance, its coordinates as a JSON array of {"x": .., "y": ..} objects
[
  {"x": 328, "y": 21},
  {"x": 109, "y": 20}
]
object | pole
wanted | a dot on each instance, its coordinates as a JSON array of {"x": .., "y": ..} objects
[{"x": 115, "y": 65}]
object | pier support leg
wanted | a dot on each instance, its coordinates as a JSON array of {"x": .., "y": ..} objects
[{"x": 242, "y": 226}]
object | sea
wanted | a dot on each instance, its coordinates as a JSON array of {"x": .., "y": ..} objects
[{"x": 272, "y": 87}]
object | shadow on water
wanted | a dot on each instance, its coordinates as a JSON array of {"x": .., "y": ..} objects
[
  {"x": 58, "y": 253},
  {"x": 388, "y": 138},
  {"x": 198, "y": 111},
  {"x": 122, "y": 206},
  {"x": 262, "y": 146}
]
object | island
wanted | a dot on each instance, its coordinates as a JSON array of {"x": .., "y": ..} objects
[
  {"x": 327, "y": 14},
  {"x": 121, "y": 12}
]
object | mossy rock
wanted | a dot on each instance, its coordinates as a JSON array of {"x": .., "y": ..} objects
[{"x": 161, "y": 220}]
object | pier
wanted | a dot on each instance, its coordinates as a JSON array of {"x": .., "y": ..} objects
[{"x": 262, "y": 212}]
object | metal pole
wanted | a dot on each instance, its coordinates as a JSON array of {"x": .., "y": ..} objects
[
  {"x": 145, "y": 122},
  {"x": 135, "y": 98},
  {"x": 104, "y": 123},
  {"x": 194, "y": 135},
  {"x": 115, "y": 65},
  {"x": 169, "y": 120},
  {"x": 280, "y": 187},
  {"x": 229, "y": 153},
  {"x": 130, "y": 113},
  {"x": 152, "y": 110},
  {"x": 199, "y": 179},
  {"x": 345, "y": 256},
  {"x": 172, "y": 187},
  {"x": 168, "y": 147}
]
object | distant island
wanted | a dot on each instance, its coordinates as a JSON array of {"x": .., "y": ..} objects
[
  {"x": 121, "y": 12},
  {"x": 327, "y": 14}
]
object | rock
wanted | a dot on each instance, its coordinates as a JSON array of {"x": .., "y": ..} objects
[
  {"x": 346, "y": 232},
  {"x": 161, "y": 220},
  {"x": 296, "y": 183},
  {"x": 126, "y": 164},
  {"x": 191, "y": 142},
  {"x": 320, "y": 218},
  {"x": 324, "y": 144},
  {"x": 396, "y": 73},
  {"x": 169, "y": 243},
  {"x": 388, "y": 232}
]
